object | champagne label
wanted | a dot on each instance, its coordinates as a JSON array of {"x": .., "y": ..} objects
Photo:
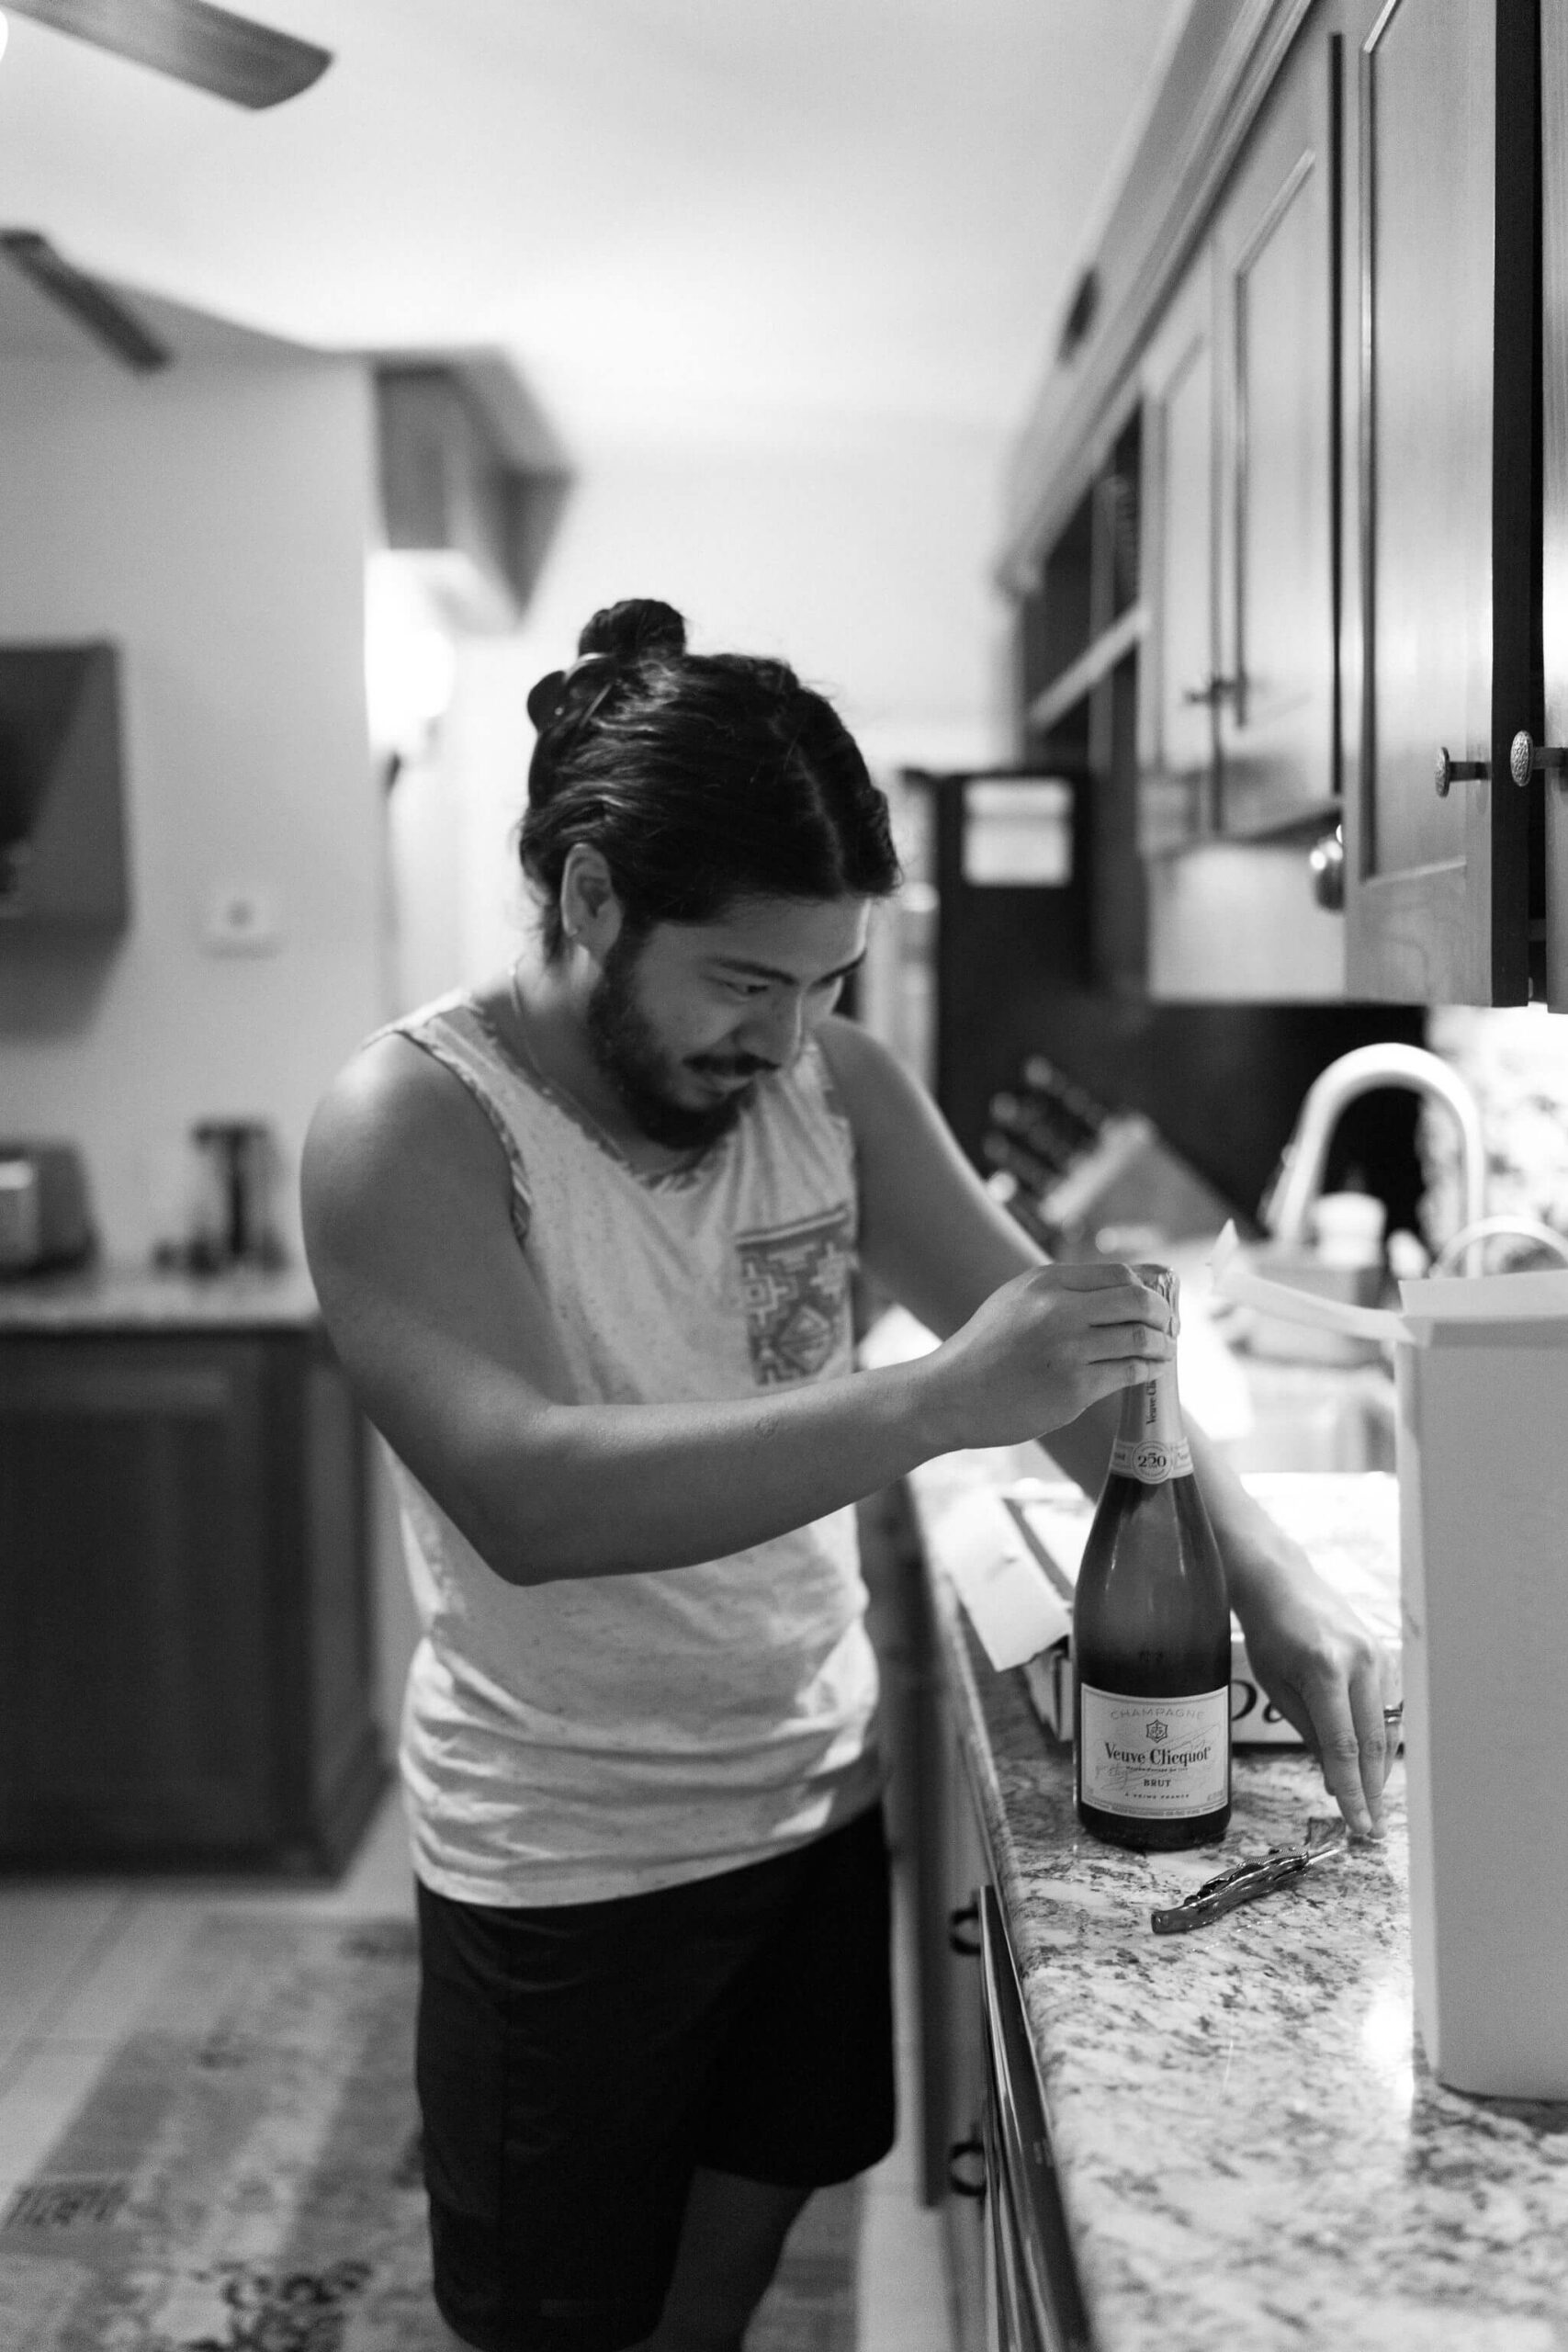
[
  {"x": 1151, "y": 1444},
  {"x": 1156, "y": 1759}
]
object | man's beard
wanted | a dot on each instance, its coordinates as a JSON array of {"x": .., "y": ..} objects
[{"x": 643, "y": 1074}]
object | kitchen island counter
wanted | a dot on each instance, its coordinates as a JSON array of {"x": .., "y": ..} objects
[{"x": 1249, "y": 2147}]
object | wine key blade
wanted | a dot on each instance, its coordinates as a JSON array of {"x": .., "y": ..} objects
[{"x": 1281, "y": 1866}]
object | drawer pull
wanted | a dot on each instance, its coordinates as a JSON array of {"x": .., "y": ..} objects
[
  {"x": 965, "y": 2152},
  {"x": 1447, "y": 772},
  {"x": 1527, "y": 758},
  {"x": 967, "y": 1916}
]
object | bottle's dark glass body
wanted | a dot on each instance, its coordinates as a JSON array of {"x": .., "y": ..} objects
[{"x": 1151, "y": 1639}]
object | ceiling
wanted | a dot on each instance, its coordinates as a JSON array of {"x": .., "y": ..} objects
[{"x": 682, "y": 218}]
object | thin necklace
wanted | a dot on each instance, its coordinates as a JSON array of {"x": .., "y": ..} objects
[
  {"x": 557, "y": 1087},
  {"x": 578, "y": 1108}
]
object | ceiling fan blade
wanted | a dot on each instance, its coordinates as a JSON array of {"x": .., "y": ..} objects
[
  {"x": 232, "y": 56},
  {"x": 82, "y": 298}
]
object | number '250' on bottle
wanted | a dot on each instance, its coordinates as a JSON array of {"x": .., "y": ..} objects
[{"x": 1152, "y": 1636}]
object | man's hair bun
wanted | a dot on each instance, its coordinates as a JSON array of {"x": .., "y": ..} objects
[
  {"x": 634, "y": 629},
  {"x": 701, "y": 779}
]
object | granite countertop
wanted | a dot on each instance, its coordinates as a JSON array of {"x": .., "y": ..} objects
[
  {"x": 1251, "y": 2150},
  {"x": 101, "y": 1299}
]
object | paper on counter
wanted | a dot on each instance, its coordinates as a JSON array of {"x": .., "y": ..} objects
[
  {"x": 1347, "y": 1521},
  {"x": 1234, "y": 1279},
  {"x": 1007, "y": 1600},
  {"x": 1531, "y": 1298}
]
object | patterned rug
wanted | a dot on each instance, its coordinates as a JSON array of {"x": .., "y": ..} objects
[{"x": 245, "y": 2175}]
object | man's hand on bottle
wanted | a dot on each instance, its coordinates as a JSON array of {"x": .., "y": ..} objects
[{"x": 1046, "y": 1346}]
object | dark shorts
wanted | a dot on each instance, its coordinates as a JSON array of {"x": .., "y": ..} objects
[{"x": 576, "y": 2063}]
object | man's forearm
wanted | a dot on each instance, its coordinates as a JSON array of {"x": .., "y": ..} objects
[{"x": 605, "y": 1490}]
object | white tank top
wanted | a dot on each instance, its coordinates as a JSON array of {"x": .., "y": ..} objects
[{"x": 602, "y": 1735}]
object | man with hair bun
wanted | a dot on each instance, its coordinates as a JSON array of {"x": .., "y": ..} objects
[{"x": 583, "y": 1237}]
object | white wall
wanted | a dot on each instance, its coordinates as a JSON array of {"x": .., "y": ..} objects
[
  {"x": 858, "y": 552},
  {"x": 213, "y": 520}
]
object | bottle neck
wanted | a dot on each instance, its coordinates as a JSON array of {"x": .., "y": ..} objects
[{"x": 1151, "y": 1444}]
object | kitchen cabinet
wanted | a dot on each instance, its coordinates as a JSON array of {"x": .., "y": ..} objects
[
  {"x": 1249, "y": 2146},
  {"x": 1331, "y": 294},
  {"x": 1179, "y": 673},
  {"x": 1238, "y": 388},
  {"x": 1553, "y": 784},
  {"x": 185, "y": 1636},
  {"x": 472, "y": 485},
  {"x": 1445, "y": 620},
  {"x": 954, "y": 2055},
  {"x": 985, "y": 2140},
  {"x": 933, "y": 1820},
  {"x": 1275, "y": 256}
]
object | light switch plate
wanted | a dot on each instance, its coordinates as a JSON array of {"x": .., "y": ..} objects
[{"x": 241, "y": 919}]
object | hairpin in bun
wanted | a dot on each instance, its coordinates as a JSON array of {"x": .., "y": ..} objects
[{"x": 545, "y": 697}]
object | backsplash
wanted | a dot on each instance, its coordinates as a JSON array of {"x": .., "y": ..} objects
[{"x": 1517, "y": 1062}]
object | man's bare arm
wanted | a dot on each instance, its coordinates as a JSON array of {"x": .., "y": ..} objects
[
  {"x": 934, "y": 1237},
  {"x": 448, "y": 1343}
]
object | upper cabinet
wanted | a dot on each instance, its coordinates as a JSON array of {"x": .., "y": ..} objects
[
  {"x": 1180, "y": 679},
  {"x": 1240, "y": 404},
  {"x": 1324, "y": 298},
  {"x": 1275, "y": 281},
  {"x": 1443, "y": 611},
  {"x": 1553, "y": 784}
]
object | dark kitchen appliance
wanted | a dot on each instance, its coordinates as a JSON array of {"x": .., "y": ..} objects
[
  {"x": 45, "y": 1223},
  {"x": 235, "y": 1226}
]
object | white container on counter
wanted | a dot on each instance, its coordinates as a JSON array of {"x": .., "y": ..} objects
[
  {"x": 1483, "y": 1453},
  {"x": 1482, "y": 1373}
]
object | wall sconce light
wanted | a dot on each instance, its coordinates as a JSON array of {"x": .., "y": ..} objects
[{"x": 411, "y": 662}]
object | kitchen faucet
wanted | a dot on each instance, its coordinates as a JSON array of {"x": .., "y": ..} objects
[{"x": 1287, "y": 1204}]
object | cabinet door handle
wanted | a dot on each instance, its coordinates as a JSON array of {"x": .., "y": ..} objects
[
  {"x": 1448, "y": 771},
  {"x": 1527, "y": 758},
  {"x": 966, "y": 2151},
  {"x": 966, "y": 1915},
  {"x": 1211, "y": 691}
]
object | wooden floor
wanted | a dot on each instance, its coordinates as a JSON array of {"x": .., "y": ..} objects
[{"x": 77, "y": 1959}]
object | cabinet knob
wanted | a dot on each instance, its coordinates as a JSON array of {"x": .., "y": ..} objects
[
  {"x": 970, "y": 2154},
  {"x": 1527, "y": 758},
  {"x": 1448, "y": 771},
  {"x": 1327, "y": 863},
  {"x": 967, "y": 1916}
]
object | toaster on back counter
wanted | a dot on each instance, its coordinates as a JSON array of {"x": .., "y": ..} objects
[{"x": 45, "y": 1224}]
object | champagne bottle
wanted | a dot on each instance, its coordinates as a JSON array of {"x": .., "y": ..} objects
[{"x": 1152, "y": 1636}]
